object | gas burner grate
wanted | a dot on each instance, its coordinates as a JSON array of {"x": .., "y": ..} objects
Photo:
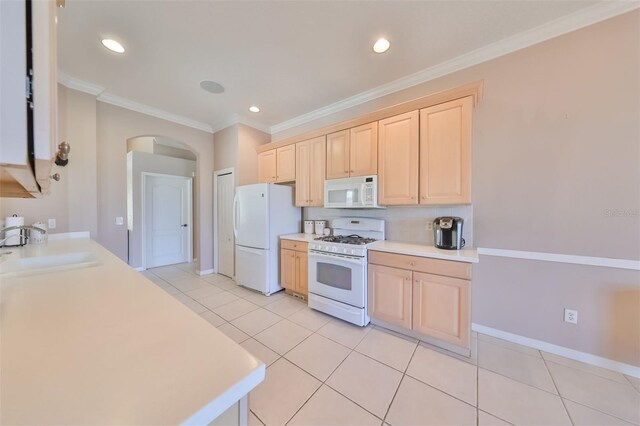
[{"x": 346, "y": 239}]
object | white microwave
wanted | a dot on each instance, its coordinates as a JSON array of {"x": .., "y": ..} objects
[{"x": 351, "y": 193}]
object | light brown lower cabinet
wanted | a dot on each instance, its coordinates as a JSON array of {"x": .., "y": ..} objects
[
  {"x": 294, "y": 268},
  {"x": 441, "y": 307},
  {"x": 423, "y": 303},
  {"x": 389, "y": 296}
]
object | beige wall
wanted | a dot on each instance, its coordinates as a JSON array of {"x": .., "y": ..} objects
[
  {"x": 555, "y": 146},
  {"x": 248, "y": 140},
  {"x": 235, "y": 146},
  {"x": 114, "y": 126},
  {"x": 225, "y": 148},
  {"x": 82, "y": 174}
]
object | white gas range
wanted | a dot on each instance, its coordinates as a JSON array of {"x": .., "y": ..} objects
[{"x": 338, "y": 268}]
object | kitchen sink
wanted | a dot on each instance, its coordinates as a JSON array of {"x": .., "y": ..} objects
[{"x": 46, "y": 264}]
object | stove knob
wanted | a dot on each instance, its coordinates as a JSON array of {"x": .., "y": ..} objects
[
  {"x": 334, "y": 249},
  {"x": 326, "y": 247},
  {"x": 353, "y": 251},
  {"x": 345, "y": 251}
]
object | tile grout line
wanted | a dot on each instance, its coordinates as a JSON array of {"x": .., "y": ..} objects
[
  {"x": 324, "y": 382},
  {"x": 404, "y": 374},
  {"x": 557, "y": 390}
]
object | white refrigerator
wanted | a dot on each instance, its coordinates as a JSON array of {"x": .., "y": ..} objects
[{"x": 261, "y": 214}]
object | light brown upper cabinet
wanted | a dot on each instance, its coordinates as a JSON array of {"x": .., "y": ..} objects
[
  {"x": 267, "y": 166},
  {"x": 445, "y": 152},
  {"x": 338, "y": 145},
  {"x": 363, "y": 150},
  {"x": 398, "y": 142},
  {"x": 286, "y": 164},
  {"x": 277, "y": 165},
  {"x": 353, "y": 152},
  {"x": 310, "y": 172}
]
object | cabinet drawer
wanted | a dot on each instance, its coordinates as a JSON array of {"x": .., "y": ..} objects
[
  {"x": 293, "y": 245},
  {"x": 422, "y": 264}
]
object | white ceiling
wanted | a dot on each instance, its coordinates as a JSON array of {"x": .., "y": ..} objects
[{"x": 289, "y": 58}]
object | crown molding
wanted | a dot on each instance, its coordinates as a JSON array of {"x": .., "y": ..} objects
[
  {"x": 572, "y": 22},
  {"x": 103, "y": 96},
  {"x": 237, "y": 119},
  {"x": 108, "y": 98},
  {"x": 79, "y": 85}
]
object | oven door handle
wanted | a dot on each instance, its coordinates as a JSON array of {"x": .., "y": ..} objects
[{"x": 355, "y": 261}]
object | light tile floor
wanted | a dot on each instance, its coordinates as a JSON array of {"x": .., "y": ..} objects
[{"x": 323, "y": 371}]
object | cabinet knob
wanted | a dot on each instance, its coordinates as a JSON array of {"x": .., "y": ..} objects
[
  {"x": 424, "y": 197},
  {"x": 408, "y": 279},
  {"x": 412, "y": 263},
  {"x": 351, "y": 171},
  {"x": 346, "y": 171}
]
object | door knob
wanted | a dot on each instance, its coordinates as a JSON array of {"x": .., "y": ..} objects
[{"x": 184, "y": 225}]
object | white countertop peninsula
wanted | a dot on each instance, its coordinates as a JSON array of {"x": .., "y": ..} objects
[
  {"x": 102, "y": 344},
  {"x": 469, "y": 255}
]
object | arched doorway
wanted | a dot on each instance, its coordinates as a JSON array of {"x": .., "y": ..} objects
[{"x": 161, "y": 226}]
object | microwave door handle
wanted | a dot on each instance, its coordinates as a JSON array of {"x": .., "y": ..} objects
[{"x": 336, "y": 258}]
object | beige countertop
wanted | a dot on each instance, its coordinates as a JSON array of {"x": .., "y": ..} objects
[
  {"x": 300, "y": 237},
  {"x": 103, "y": 345},
  {"x": 469, "y": 255}
]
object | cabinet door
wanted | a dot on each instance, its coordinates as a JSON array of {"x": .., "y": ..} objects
[
  {"x": 398, "y": 159},
  {"x": 267, "y": 166},
  {"x": 286, "y": 164},
  {"x": 441, "y": 308},
  {"x": 445, "y": 153},
  {"x": 389, "y": 295},
  {"x": 302, "y": 272},
  {"x": 338, "y": 155},
  {"x": 317, "y": 169},
  {"x": 288, "y": 273},
  {"x": 303, "y": 173},
  {"x": 363, "y": 152}
]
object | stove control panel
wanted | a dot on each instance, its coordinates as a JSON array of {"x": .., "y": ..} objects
[{"x": 338, "y": 249}]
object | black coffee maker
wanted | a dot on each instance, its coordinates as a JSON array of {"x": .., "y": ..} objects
[{"x": 447, "y": 232}]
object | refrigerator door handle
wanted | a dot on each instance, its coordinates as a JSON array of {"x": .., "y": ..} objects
[{"x": 235, "y": 213}]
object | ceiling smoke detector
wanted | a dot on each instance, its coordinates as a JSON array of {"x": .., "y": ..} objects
[{"x": 212, "y": 86}]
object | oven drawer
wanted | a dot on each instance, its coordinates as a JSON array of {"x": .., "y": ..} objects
[
  {"x": 421, "y": 264},
  {"x": 293, "y": 245}
]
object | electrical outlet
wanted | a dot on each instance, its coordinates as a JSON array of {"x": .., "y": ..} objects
[
  {"x": 571, "y": 316},
  {"x": 429, "y": 225},
  {"x": 51, "y": 224},
  {"x": 119, "y": 220}
]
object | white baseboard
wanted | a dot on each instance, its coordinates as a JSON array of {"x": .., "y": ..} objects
[
  {"x": 205, "y": 272},
  {"x": 598, "y": 361},
  {"x": 138, "y": 269}
]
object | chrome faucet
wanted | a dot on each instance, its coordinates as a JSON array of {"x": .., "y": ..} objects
[{"x": 19, "y": 227}]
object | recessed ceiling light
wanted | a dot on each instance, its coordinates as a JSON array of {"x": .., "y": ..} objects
[
  {"x": 254, "y": 108},
  {"x": 113, "y": 45},
  {"x": 212, "y": 86},
  {"x": 381, "y": 46}
]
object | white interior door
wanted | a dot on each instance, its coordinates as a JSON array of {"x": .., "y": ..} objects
[
  {"x": 167, "y": 216},
  {"x": 224, "y": 210}
]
